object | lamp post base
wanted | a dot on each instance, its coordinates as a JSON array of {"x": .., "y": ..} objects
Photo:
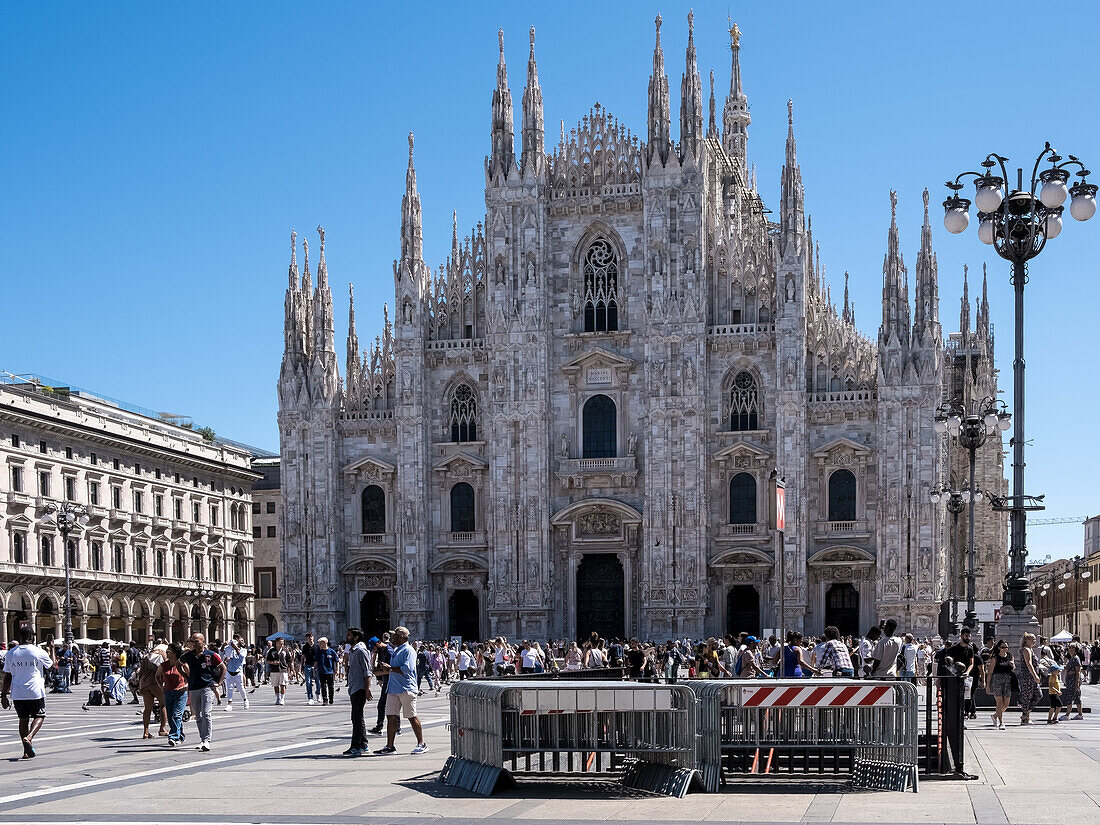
[{"x": 1014, "y": 623}]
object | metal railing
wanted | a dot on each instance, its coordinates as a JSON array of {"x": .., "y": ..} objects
[{"x": 867, "y": 730}]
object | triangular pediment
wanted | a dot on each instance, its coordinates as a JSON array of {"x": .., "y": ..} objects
[
  {"x": 370, "y": 461},
  {"x": 461, "y": 457},
  {"x": 21, "y": 522},
  {"x": 841, "y": 443},
  {"x": 596, "y": 356},
  {"x": 740, "y": 448}
]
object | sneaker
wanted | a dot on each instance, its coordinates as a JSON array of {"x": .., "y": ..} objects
[
  {"x": 1078, "y": 716},
  {"x": 228, "y": 708},
  {"x": 205, "y": 746},
  {"x": 1001, "y": 726},
  {"x": 311, "y": 702},
  {"x": 420, "y": 748},
  {"x": 246, "y": 705},
  {"x": 377, "y": 731},
  {"x": 353, "y": 752},
  {"x": 386, "y": 751},
  {"x": 172, "y": 743}
]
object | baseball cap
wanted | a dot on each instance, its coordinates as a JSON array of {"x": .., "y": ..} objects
[
  {"x": 374, "y": 640},
  {"x": 404, "y": 631},
  {"x": 751, "y": 640}
]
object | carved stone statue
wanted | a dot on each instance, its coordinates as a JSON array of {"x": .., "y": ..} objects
[
  {"x": 563, "y": 446},
  {"x": 576, "y": 301},
  {"x": 790, "y": 290},
  {"x": 632, "y": 444},
  {"x": 408, "y": 312},
  {"x": 530, "y": 276}
]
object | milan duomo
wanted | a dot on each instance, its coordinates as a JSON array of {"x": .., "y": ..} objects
[{"x": 575, "y": 422}]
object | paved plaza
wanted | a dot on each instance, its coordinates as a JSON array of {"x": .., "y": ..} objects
[{"x": 282, "y": 765}]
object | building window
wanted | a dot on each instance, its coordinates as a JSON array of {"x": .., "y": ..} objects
[
  {"x": 156, "y": 474},
  {"x": 196, "y": 511},
  {"x": 238, "y": 566},
  {"x": 114, "y": 463},
  {"x": 118, "y": 557},
  {"x": 47, "y": 551},
  {"x": 139, "y": 501},
  {"x": 601, "y": 287},
  {"x": 161, "y": 563},
  {"x": 69, "y": 453},
  {"x": 17, "y": 479},
  {"x": 462, "y": 508},
  {"x": 70, "y": 488},
  {"x": 194, "y": 481},
  {"x": 255, "y": 508},
  {"x": 14, "y": 440},
  {"x": 215, "y": 569},
  {"x": 842, "y": 496},
  {"x": 137, "y": 469},
  {"x": 198, "y": 569},
  {"x": 177, "y": 478},
  {"x": 44, "y": 483},
  {"x": 271, "y": 531},
  {"x": 139, "y": 560},
  {"x": 93, "y": 492},
  {"x": 600, "y": 431},
  {"x": 265, "y": 584},
  {"x": 463, "y": 414},
  {"x": 213, "y": 515},
  {"x": 158, "y": 504},
  {"x": 270, "y": 507},
  {"x": 744, "y": 403},
  {"x": 373, "y": 501},
  {"x": 94, "y": 459},
  {"x": 177, "y": 509},
  {"x": 74, "y": 559},
  {"x": 97, "y": 555},
  {"x": 257, "y": 532},
  {"x": 179, "y": 565},
  {"x": 116, "y": 498},
  {"x": 743, "y": 499},
  {"x": 42, "y": 447},
  {"x": 19, "y": 548}
]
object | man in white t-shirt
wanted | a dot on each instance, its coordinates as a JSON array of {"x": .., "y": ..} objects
[
  {"x": 24, "y": 681},
  {"x": 885, "y": 655}
]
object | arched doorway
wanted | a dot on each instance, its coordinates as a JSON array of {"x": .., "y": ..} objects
[
  {"x": 743, "y": 610},
  {"x": 842, "y": 608},
  {"x": 600, "y": 602},
  {"x": 268, "y": 625},
  {"x": 464, "y": 615},
  {"x": 374, "y": 613}
]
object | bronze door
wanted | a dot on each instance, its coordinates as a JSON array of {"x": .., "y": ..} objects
[{"x": 600, "y": 603}]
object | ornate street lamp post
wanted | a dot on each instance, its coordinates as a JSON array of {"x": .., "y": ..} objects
[
  {"x": 952, "y": 498},
  {"x": 1078, "y": 562},
  {"x": 1018, "y": 227},
  {"x": 69, "y": 518},
  {"x": 971, "y": 429}
]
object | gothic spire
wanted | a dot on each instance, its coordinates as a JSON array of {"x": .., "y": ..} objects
[
  {"x": 503, "y": 155},
  {"x": 691, "y": 99},
  {"x": 455, "y": 252},
  {"x": 895, "y": 298},
  {"x": 964, "y": 307},
  {"x": 292, "y": 333},
  {"x": 791, "y": 217},
  {"x": 983, "y": 307},
  {"x": 658, "y": 143},
  {"x": 534, "y": 133},
  {"x": 735, "y": 115},
  {"x": 324, "y": 331},
  {"x": 926, "y": 311},
  {"x": 847, "y": 305},
  {"x": 293, "y": 261},
  {"x": 307, "y": 301},
  {"x": 712, "y": 128},
  {"x": 412, "y": 230},
  {"x": 352, "y": 363}
]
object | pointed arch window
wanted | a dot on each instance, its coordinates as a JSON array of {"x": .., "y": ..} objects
[
  {"x": 601, "y": 287},
  {"x": 743, "y": 499},
  {"x": 463, "y": 419},
  {"x": 462, "y": 508},
  {"x": 842, "y": 496},
  {"x": 744, "y": 403},
  {"x": 600, "y": 430},
  {"x": 373, "y": 500}
]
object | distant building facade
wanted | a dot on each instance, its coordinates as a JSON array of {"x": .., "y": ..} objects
[
  {"x": 267, "y": 513},
  {"x": 170, "y": 515},
  {"x": 572, "y": 424}
]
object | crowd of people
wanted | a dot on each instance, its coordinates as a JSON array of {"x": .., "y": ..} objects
[{"x": 175, "y": 682}]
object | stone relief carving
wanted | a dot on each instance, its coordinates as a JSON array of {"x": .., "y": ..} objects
[{"x": 599, "y": 524}]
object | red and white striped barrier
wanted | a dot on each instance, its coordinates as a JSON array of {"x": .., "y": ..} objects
[{"x": 809, "y": 696}]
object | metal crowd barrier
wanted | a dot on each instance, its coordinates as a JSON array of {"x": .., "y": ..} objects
[
  {"x": 602, "y": 674},
  {"x": 643, "y": 733},
  {"x": 867, "y": 730}
]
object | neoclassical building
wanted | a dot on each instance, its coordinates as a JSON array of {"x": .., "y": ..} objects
[
  {"x": 168, "y": 546},
  {"x": 574, "y": 422}
]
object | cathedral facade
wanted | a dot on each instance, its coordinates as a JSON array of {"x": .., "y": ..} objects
[{"x": 577, "y": 421}]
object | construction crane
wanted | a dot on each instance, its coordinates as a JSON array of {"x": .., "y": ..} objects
[{"x": 1067, "y": 520}]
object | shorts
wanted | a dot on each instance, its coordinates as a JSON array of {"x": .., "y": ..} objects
[
  {"x": 30, "y": 708},
  {"x": 278, "y": 678},
  {"x": 401, "y": 703},
  {"x": 1000, "y": 685},
  {"x": 1055, "y": 701}
]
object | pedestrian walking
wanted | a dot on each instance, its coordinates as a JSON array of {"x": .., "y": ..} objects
[
  {"x": 380, "y": 668},
  {"x": 64, "y": 669},
  {"x": 309, "y": 665},
  {"x": 1028, "y": 678},
  {"x": 401, "y": 693},
  {"x": 24, "y": 683},
  {"x": 278, "y": 662},
  {"x": 174, "y": 684},
  {"x": 151, "y": 692},
  {"x": 1054, "y": 690},
  {"x": 203, "y": 669},
  {"x": 1071, "y": 678},
  {"x": 359, "y": 691},
  {"x": 998, "y": 681},
  {"x": 325, "y": 662},
  {"x": 233, "y": 656}
]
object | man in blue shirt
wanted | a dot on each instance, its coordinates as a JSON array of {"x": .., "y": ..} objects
[
  {"x": 325, "y": 661},
  {"x": 401, "y": 693},
  {"x": 233, "y": 655}
]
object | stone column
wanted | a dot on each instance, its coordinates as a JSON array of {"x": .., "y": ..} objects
[
  {"x": 83, "y": 626},
  {"x": 128, "y": 632},
  {"x": 3, "y": 627}
]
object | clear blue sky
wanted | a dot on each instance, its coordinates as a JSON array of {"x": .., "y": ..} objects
[{"x": 155, "y": 158}]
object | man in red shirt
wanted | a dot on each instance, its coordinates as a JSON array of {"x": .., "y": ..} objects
[{"x": 204, "y": 669}]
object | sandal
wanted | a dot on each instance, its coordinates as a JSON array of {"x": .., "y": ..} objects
[{"x": 147, "y": 735}]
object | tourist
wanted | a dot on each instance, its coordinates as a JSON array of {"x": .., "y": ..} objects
[
  {"x": 380, "y": 667},
  {"x": 278, "y": 660},
  {"x": 114, "y": 686},
  {"x": 423, "y": 669},
  {"x": 465, "y": 662},
  {"x": 359, "y": 676},
  {"x": 24, "y": 682},
  {"x": 574, "y": 660},
  {"x": 251, "y": 666},
  {"x": 867, "y": 649},
  {"x": 909, "y": 657},
  {"x": 886, "y": 652},
  {"x": 1071, "y": 678},
  {"x": 1028, "y": 678},
  {"x": 64, "y": 669},
  {"x": 795, "y": 665},
  {"x": 325, "y": 662},
  {"x": 103, "y": 660},
  {"x": 748, "y": 664},
  {"x": 1054, "y": 689},
  {"x": 152, "y": 693},
  {"x": 309, "y": 667},
  {"x": 401, "y": 693},
  {"x": 836, "y": 660},
  {"x": 234, "y": 655},
  {"x": 174, "y": 684},
  {"x": 203, "y": 669},
  {"x": 998, "y": 681}
]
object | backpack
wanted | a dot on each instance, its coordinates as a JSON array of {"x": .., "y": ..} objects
[
  {"x": 95, "y": 698},
  {"x": 737, "y": 664}
]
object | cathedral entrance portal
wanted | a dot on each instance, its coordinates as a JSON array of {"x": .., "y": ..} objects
[
  {"x": 743, "y": 610},
  {"x": 842, "y": 608},
  {"x": 374, "y": 613},
  {"x": 601, "y": 604},
  {"x": 464, "y": 615}
]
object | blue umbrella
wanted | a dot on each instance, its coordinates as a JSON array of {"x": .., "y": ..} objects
[{"x": 281, "y": 635}]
